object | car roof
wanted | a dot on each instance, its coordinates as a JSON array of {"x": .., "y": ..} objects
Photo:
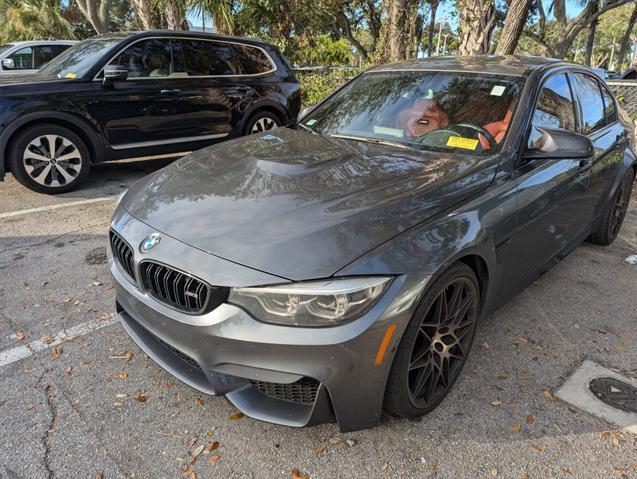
[
  {"x": 22, "y": 43},
  {"x": 512, "y": 65},
  {"x": 181, "y": 33}
]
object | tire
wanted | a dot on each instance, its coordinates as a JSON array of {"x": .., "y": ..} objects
[
  {"x": 615, "y": 213},
  {"x": 429, "y": 343},
  {"x": 50, "y": 174},
  {"x": 262, "y": 121}
]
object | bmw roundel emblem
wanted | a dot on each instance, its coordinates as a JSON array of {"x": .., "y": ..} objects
[{"x": 149, "y": 242}]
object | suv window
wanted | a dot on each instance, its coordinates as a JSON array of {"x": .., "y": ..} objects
[
  {"x": 216, "y": 58},
  {"x": 591, "y": 102},
  {"x": 609, "y": 106},
  {"x": 147, "y": 58},
  {"x": 45, "y": 53},
  {"x": 555, "y": 108},
  {"x": 22, "y": 59}
]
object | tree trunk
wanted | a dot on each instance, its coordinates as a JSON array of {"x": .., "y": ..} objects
[
  {"x": 433, "y": 5},
  {"x": 97, "y": 13},
  {"x": 175, "y": 16},
  {"x": 625, "y": 40},
  {"x": 144, "y": 12},
  {"x": 396, "y": 37},
  {"x": 513, "y": 26},
  {"x": 345, "y": 31},
  {"x": 477, "y": 18},
  {"x": 590, "y": 43}
]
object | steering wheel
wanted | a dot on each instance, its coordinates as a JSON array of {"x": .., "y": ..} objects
[{"x": 483, "y": 131}]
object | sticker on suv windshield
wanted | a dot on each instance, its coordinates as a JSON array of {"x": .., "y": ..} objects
[
  {"x": 459, "y": 142},
  {"x": 70, "y": 75}
]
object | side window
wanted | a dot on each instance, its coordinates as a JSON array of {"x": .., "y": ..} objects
[
  {"x": 216, "y": 58},
  {"x": 555, "y": 108},
  {"x": 251, "y": 60},
  {"x": 147, "y": 58},
  {"x": 591, "y": 102},
  {"x": 609, "y": 106},
  {"x": 23, "y": 59},
  {"x": 204, "y": 58},
  {"x": 43, "y": 54}
]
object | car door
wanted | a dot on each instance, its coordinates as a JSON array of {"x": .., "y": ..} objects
[
  {"x": 551, "y": 193},
  {"x": 21, "y": 61},
  {"x": 600, "y": 122},
  {"x": 143, "y": 110}
]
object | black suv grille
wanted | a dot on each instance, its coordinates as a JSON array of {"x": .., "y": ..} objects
[
  {"x": 123, "y": 254},
  {"x": 180, "y": 290},
  {"x": 303, "y": 391}
]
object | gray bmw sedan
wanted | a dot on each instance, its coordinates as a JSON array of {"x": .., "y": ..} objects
[{"x": 338, "y": 267}]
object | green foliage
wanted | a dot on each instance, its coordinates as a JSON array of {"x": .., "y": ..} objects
[
  {"x": 32, "y": 20},
  {"x": 317, "y": 85},
  {"x": 323, "y": 51}
]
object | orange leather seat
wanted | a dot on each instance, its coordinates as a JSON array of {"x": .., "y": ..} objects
[
  {"x": 424, "y": 116},
  {"x": 498, "y": 129}
]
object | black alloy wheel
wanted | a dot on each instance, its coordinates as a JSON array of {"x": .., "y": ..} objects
[{"x": 435, "y": 345}]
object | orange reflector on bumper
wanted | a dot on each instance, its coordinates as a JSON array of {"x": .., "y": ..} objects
[{"x": 384, "y": 343}]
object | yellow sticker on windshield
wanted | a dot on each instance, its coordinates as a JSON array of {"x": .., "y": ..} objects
[
  {"x": 70, "y": 75},
  {"x": 465, "y": 143}
]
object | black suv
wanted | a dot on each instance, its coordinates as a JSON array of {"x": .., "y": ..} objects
[{"x": 138, "y": 94}]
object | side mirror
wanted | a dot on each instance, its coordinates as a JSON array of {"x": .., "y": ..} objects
[
  {"x": 305, "y": 112},
  {"x": 8, "y": 64},
  {"x": 114, "y": 73},
  {"x": 560, "y": 145}
]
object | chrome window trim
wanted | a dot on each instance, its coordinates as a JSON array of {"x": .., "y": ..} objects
[
  {"x": 169, "y": 141},
  {"x": 442, "y": 70},
  {"x": 119, "y": 52}
]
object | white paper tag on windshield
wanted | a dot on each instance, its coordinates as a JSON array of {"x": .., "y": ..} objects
[{"x": 498, "y": 90}]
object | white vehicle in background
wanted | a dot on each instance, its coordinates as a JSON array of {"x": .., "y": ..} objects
[{"x": 30, "y": 56}]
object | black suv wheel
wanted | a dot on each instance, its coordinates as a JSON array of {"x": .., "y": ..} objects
[
  {"x": 262, "y": 121},
  {"x": 49, "y": 159}
]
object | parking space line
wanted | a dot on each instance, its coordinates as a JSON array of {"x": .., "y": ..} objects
[
  {"x": 12, "y": 355},
  {"x": 55, "y": 207}
]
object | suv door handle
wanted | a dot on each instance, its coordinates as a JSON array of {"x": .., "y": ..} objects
[{"x": 174, "y": 91}]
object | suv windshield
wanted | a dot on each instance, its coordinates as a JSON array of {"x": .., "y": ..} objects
[
  {"x": 465, "y": 112},
  {"x": 78, "y": 60}
]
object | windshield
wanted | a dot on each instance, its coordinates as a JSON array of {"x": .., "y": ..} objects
[
  {"x": 78, "y": 60},
  {"x": 464, "y": 112}
]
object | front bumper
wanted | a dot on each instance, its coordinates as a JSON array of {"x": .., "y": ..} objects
[{"x": 285, "y": 375}]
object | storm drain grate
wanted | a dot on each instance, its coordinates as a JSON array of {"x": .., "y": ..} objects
[{"x": 615, "y": 393}]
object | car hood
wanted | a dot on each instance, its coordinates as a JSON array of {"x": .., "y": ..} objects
[{"x": 297, "y": 204}]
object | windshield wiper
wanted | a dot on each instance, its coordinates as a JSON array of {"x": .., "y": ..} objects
[
  {"x": 366, "y": 139},
  {"x": 307, "y": 128}
]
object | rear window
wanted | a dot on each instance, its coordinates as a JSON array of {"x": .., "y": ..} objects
[
  {"x": 216, "y": 58},
  {"x": 609, "y": 106},
  {"x": 589, "y": 94}
]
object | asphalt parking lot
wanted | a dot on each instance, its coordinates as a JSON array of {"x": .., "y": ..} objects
[{"x": 82, "y": 401}]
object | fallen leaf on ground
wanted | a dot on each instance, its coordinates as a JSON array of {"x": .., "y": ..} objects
[
  {"x": 384, "y": 466},
  {"x": 20, "y": 335},
  {"x": 191, "y": 442},
  {"x": 520, "y": 341},
  {"x": 530, "y": 419},
  {"x": 432, "y": 467},
  {"x": 213, "y": 446},
  {"x": 120, "y": 395},
  {"x": 46, "y": 339},
  {"x": 99, "y": 476},
  {"x": 141, "y": 397},
  {"x": 319, "y": 450},
  {"x": 619, "y": 346},
  {"x": 188, "y": 474},
  {"x": 516, "y": 426},
  {"x": 496, "y": 403},
  {"x": 235, "y": 416},
  {"x": 199, "y": 401},
  {"x": 56, "y": 352},
  {"x": 623, "y": 470},
  {"x": 334, "y": 440},
  {"x": 568, "y": 471},
  {"x": 539, "y": 449},
  {"x": 214, "y": 458},
  {"x": 125, "y": 356},
  {"x": 484, "y": 347},
  {"x": 197, "y": 452},
  {"x": 494, "y": 472},
  {"x": 168, "y": 385},
  {"x": 104, "y": 317},
  {"x": 548, "y": 395},
  {"x": 296, "y": 474},
  {"x": 84, "y": 362},
  {"x": 121, "y": 375},
  {"x": 33, "y": 406},
  {"x": 503, "y": 375},
  {"x": 350, "y": 442},
  {"x": 69, "y": 371}
]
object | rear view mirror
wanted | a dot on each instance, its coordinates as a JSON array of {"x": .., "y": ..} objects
[
  {"x": 115, "y": 73},
  {"x": 560, "y": 144},
  {"x": 8, "y": 64}
]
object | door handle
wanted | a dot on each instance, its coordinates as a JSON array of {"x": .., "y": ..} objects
[{"x": 174, "y": 91}]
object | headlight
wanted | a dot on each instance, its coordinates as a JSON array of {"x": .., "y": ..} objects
[{"x": 315, "y": 303}]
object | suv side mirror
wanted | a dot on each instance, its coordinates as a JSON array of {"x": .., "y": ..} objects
[
  {"x": 114, "y": 73},
  {"x": 8, "y": 64},
  {"x": 560, "y": 145}
]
